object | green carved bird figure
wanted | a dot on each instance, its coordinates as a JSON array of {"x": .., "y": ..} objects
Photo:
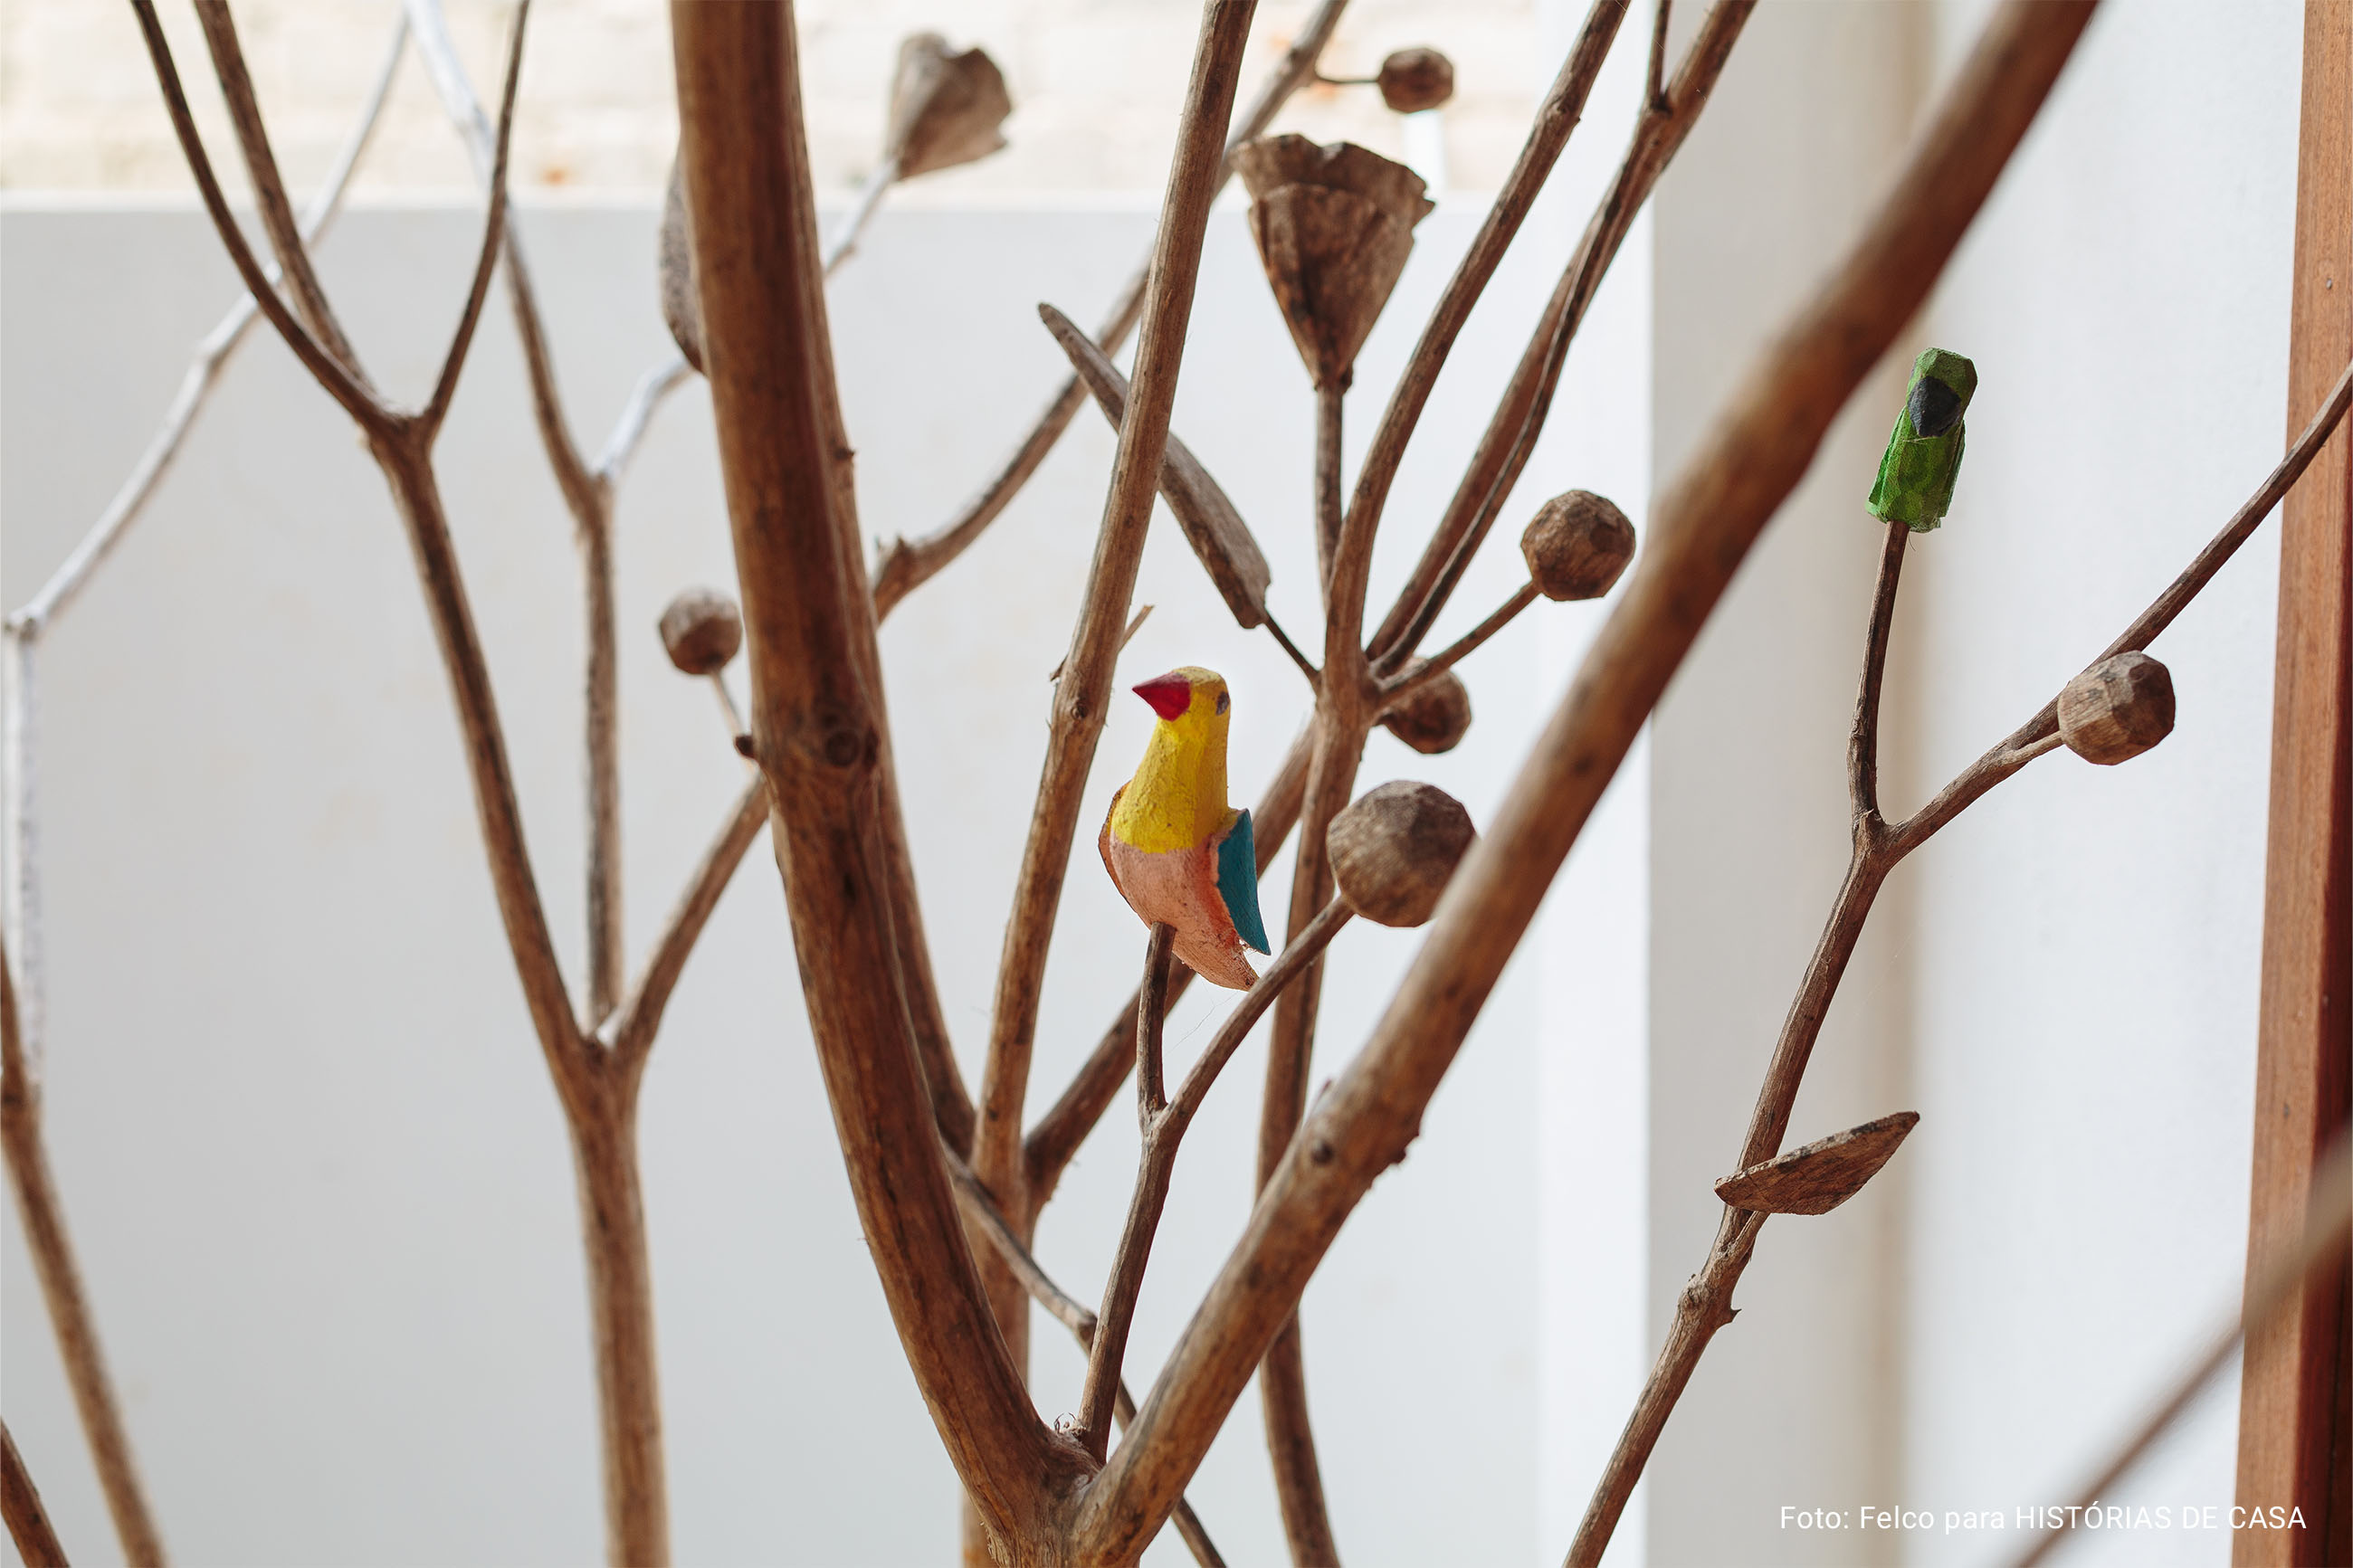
[
  {"x": 1177, "y": 852},
  {"x": 1923, "y": 455}
]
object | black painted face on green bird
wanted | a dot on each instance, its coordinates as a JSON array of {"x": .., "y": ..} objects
[{"x": 1935, "y": 408}]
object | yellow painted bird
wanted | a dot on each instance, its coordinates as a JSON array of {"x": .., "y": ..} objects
[{"x": 1177, "y": 852}]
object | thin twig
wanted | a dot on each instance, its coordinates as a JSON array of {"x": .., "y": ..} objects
[
  {"x": 1330, "y": 400},
  {"x": 1556, "y": 117},
  {"x": 211, "y": 357},
  {"x": 639, "y": 1019},
  {"x": 358, "y": 400},
  {"x": 861, "y": 211},
  {"x": 1704, "y": 525},
  {"x": 269, "y": 189},
  {"x": 1126, "y": 1281},
  {"x": 1657, "y": 75},
  {"x": 2040, "y": 733},
  {"x": 1400, "y": 687},
  {"x": 655, "y": 383},
  {"x": 907, "y": 564},
  {"x": 1862, "y": 743},
  {"x": 20, "y": 1502},
  {"x": 47, "y": 1238},
  {"x": 1306, "y": 666},
  {"x": 1511, "y": 435},
  {"x": 1071, "y": 1313},
  {"x": 2319, "y": 1251},
  {"x": 437, "y": 407}
]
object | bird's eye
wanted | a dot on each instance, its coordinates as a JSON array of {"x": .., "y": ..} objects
[{"x": 1222, "y": 701}]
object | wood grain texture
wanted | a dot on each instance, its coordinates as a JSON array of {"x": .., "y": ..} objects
[
  {"x": 2293, "y": 1437},
  {"x": 47, "y": 1238},
  {"x": 1818, "y": 1177},
  {"x": 20, "y": 1505},
  {"x": 817, "y": 724}
]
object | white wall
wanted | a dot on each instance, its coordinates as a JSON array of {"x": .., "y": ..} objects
[
  {"x": 318, "y": 1178},
  {"x": 2083, "y": 1018},
  {"x": 2064, "y": 984}
]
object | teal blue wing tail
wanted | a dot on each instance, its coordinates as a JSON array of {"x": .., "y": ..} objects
[{"x": 1238, "y": 882}]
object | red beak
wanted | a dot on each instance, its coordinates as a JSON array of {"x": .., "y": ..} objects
[{"x": 1170, "y": 694}]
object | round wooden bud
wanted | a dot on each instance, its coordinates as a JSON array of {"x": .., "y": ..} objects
[
  {"x": 1435, "y": 718},
  {"x": 1396, "y": 848},
  {"x": 1415, "y": 79},
  {"x": 1577, "y": 546},
  {"x": 702, "y": 630},
  {"x": 2117, "y": 708}
]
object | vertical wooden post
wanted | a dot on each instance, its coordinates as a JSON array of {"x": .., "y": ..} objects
[{"x": 2293, "y": 1427}]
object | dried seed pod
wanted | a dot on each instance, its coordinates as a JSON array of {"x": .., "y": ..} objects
[
  {"x": 1819, "y": 1177},
  {"x": 681, "y": 309},
  {"x": 701, "y": 629},
  {"x": 2117, "y": 708},
  {"x": 1577, "y": 546},
  {"x": 1415, "y": 79},
  {"x": 1396, "y": 848},
  {"x": 945, "y": 109},
  {"x": 1334, "y": 226},
  {"x": 1435, "y": 718}
]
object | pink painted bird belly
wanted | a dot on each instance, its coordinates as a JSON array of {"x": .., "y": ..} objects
[{"x": 1179, "y": 887}]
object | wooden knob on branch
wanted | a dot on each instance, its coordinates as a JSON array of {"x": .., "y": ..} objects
[
  {"x": 1577, "y": 546},
  {"x": 1396, "y": 848},
  {"x": 1334, "y": 226},
  {"x": 2117, "y": 708},
  {"x": 947, "y": 108},
  {"x": 1435, "y": 718},
  {"x": 701, "y": 629},
  {"x": 1415, "y": 79},
  {"x": 1819, "y": 1177},
  {"x": 682, "y": 308}
]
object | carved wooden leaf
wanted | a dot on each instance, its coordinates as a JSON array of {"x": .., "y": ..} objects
[
  {"x": 1218, "y": 535},
  {"x": 1819, "y": 1177}
]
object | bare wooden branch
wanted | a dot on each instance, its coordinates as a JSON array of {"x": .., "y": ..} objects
[
  {"x": 358, "y": 400},
  {"x": 817, "y": 732},
  {"x": 1082, "y": 697},
  {"x": 2317, "y": 1252},
  {"x": 1071, "y": 1313},
  {"x": 1705, "y": 523},
  {"x": 1126, "y": 1283},
  {"x": 2040, "y": 733},
  {"x": 657, "y": 383},
  {"x": 437, "y": 406},
  {"x": 269, "y": 189},
  {"x": 47, "y": 1238},
  {"x": 1399, "y": 688},
  {"x": 906, "y": 566},
  {"x": 1518, "y": 420},
  {"x": 1556, "y": 117},
  {"x": 204, "y": 371},
  {"x": 639, "y": 1018},
  {"x": 20, "y": 1503}
]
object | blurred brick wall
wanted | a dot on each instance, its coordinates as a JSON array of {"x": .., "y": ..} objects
[{"x": 1096, "y": 85}]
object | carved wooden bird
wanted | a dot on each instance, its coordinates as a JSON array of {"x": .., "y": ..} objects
[
  {"x": 1924, "y": 453},
  {"x": 1177, "y": 852}
]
